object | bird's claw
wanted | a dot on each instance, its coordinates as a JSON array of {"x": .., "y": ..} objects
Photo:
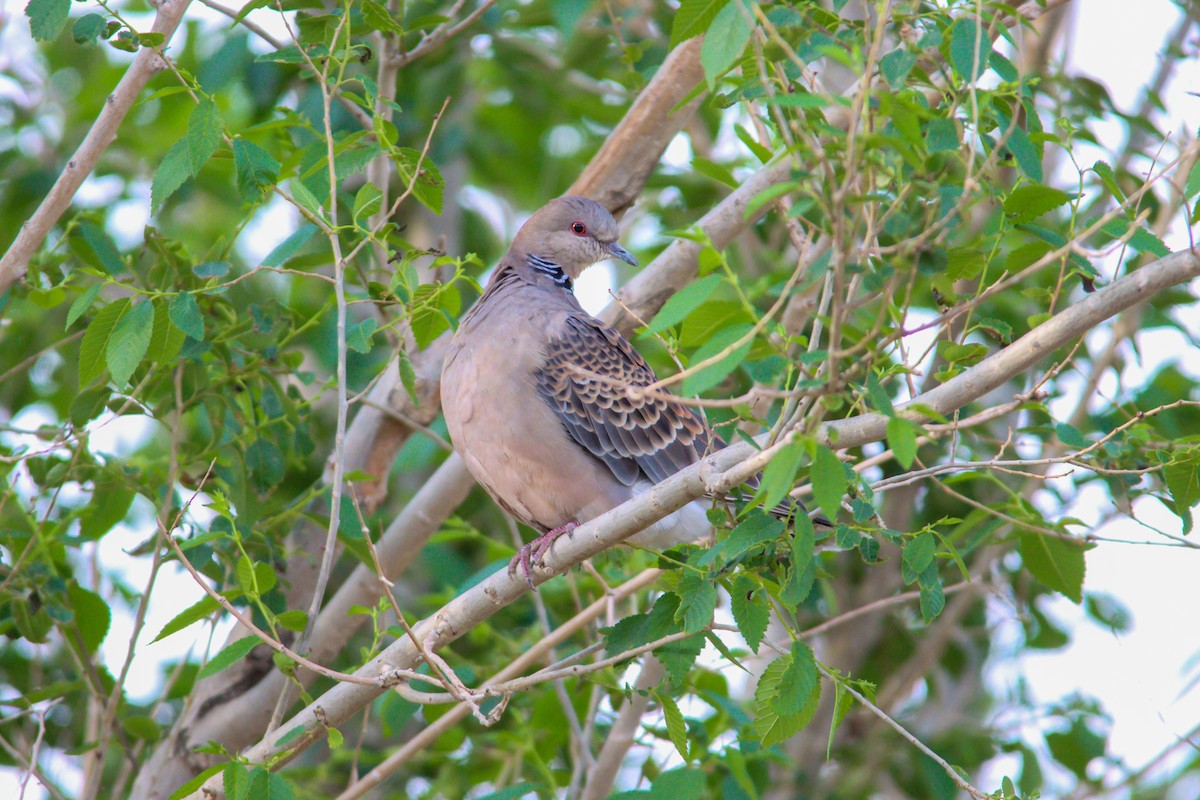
[{"x": 531, "y": 552}]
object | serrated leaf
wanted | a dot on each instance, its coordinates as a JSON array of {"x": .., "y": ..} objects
[
  {"x": 1058, "y": 563},
  {"x": 203, "y": 133},
  {"x": 676, "y": 726},
  {"x": 919, "y": 552},
  {"x": 1182, "y": 476},
  {"x": 92, "y": 616},
  {"x": 265, "y": 461},
  {"x": 697, "y": 602},
  {"x": 843, "y": 701},
  {"x": 378, "y": 17},
  {"x": 1027, "y": 203},
  {"x": 367, "y": 202},
  {"x": 725, "y": 40},
  {"x": 184, "y": 313},
  {"x": 799, "y": 681},
  {"x": 1070, "y": 435},
  {"x": 212, "y": 269},
  {"x": 757, "y": 528},
  {"x": 47, "y": 18},
  {"x": 358, "y": 337},
  {"x": 129, "y": 341},
  {"x": 709, "y": 376},
  {"x": 896, "y": 65},
  {"x": 288, "y": 247},
  {"x": 102, "y": 246},
  {"x": 87, "y": 28},
  {"x": 780, "y": 474},
  {"x": 197, "y": 611},
  {"x": 110, "y": 505},
  {"x": 770, "y": 726},
  {"x": 828, "y": 481},
  {"x": 304, "y": 196},
  {"x": 257, "y": 170},
  {"x": 228, "y": 656},
  {"x": 693, "y": 18},
  {"x": 195, "y": 783},
  {"x": 969, "y": 49},
  {"x": 902, "y": 438},
  {"x": 173, "y": 170},
  {"x": 684, "y": 302},
  {"x": 81, "y": 305},
  {"x": 1026, "y": 153},
  {"x": 751, "y": 613}
]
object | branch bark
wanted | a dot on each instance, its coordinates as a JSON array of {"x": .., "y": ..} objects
[
  {"x": 146, "y": 64},
  {"x": 717, "y": 472}
]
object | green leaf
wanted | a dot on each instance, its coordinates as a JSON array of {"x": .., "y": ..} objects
[
  {"x": 942, "y": 136},
  {"x": 677, "y": 784},
  {"x": 197, "y": 611},
  {"x": 896, "y": 65},
  {"x": 1028, "y": 202},
  {"x": 212, "y": 269},
  {"x": 184, "y": 313},
  {"x": 697, "y": 602},
  {"x": 257, "y": 170},
  {"x": 684, "y": 302},
  {"x": 378, "y": 18},
  {"x": 81, "y": 305},
  {"x": 92, "y": 616},
  {"x": 1070, "y": 435},
  {"x": 780, "y": 474},
  {"x": 175, "y": 168},
  {"x": 725, "y": 40},
  {"x": 129, "y": 342},
  {"x": 1192, "y": 187},
  {"x": 288, "y": 247},
  {"x": 933, "y": 597},
  {"x": 203, "y": 133},
  {"x": 800, "y": 680},
  {"x": 676, "y": 727},
  {"x": 770, "y": 726},
  {"x": 919, "y": 552},
  {"x": 796, "y": 99},
  {"x": 828, "y": 481},
  {"x": 165, "y": 339},
  {"x": 110, "y": 505},
  {"x": 714, "y": 373},
  {"x": 47, "y": 18},
  {"x": 102, "y": 246},
  {"x": 757, "y": 528},
  {"x": 1182, "y": 476},
  {"x": 358, "y": 337},
  {"x": 751, "y": 612},
  {"x": 367, "y": 201},
  {"x": 95, "y": 340},
  {"x": 265, "y": 461},
  {"x": 195, "y": 783},
  {"x": 693, "y": 18},
  {"x": 87, "y": 28},
  {"x": 1056, "y": 562},
  {"x": 843, "y": 701},
  {"x": 902, "y": 438},
  {"x": 304, "y": 196},
  {"x": 969, "y": 49},
  {"x": 228, "y": 656},
  {"x": 1028, "y": 155}
]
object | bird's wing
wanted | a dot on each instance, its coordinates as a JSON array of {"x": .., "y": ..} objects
[{"x": 588, "y": 367}]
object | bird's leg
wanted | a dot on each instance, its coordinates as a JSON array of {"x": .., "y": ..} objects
[{"x": 532, "y": 552}]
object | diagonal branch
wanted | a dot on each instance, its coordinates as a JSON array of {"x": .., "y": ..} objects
[
  {"x": 720, "y": 471},
  {"x": 146, "y": 64}
]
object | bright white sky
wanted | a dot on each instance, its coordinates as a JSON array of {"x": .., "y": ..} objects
[{"x": 1141, "y": 678}]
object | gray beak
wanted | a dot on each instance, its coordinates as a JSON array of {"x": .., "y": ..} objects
[{"x": 616, "y": 251}]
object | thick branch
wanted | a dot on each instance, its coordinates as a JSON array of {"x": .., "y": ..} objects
[{"x": 717, "y": 472}]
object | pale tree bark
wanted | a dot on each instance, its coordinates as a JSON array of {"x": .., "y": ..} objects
[
  {"x": 146, "y": 64},
  {"x": 233, "y": 707},
  {"x": 716, "y": 473}
]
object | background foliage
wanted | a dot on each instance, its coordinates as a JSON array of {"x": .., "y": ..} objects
[{"x": 291, "y": 216}]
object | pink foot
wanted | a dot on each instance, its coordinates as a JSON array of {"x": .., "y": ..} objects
[{"x": 532, "y": 552}]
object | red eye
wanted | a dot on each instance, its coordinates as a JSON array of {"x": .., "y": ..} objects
[{"x": 578, "y": 228}]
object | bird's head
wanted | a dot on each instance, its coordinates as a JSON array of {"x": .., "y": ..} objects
[{"x": 571, "y": 232}]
